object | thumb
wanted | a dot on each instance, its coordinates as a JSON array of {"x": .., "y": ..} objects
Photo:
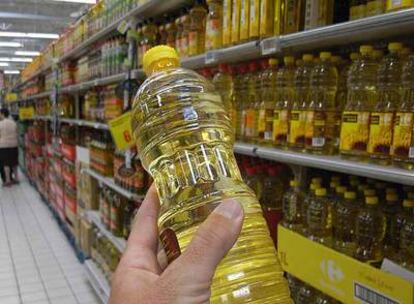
[{"x": 214, "y": 238}]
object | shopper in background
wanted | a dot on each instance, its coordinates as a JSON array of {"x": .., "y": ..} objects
[
  {"x": 142, "y": 277},
  {"x": 8, "y": 146}
]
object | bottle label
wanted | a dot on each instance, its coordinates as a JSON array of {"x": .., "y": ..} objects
[
  {"x": 250, "y": 121},
  {"x": 261, "y": 123},
  {"x": 354, "y": 131},
  {"x": 235, "y": 21},
  {"x": 292, "y": 24},
  {"x": 254, "y": 18},
  {"x": 297, "y": 127},
  {"x": 315, "y": 129},
  {"x": 227, "y": 22},
  {"x": 268, "y": 133},
  {"x": 171, "y": 245},
  {"x": 375, "y": 7},
  {"x": 403, "y": 135},
  {"x": 380, "y": 133},
  {"x": 244, "y": 19},
  {"x": 213, "y": 34},
  {"x": 266, "y": 18},
  {"x": 280, "y": 126}
]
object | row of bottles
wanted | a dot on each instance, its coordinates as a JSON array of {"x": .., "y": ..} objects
[
  {"x": 116, "y": 212},
  {"x": 362, "y": 108},
  {"x": 114, "y": 52},
  {"x": 365, "y": 219}
]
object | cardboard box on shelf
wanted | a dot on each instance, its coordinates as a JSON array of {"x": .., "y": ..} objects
[
  {"x": 85, "y": 236},
  {"x": 88, "y": 198}
]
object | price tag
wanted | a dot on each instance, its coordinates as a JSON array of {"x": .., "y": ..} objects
[
  {"x": 123, "y": 26},
  {"x": 270, "y": 46},
  {"x": 121, "y": 131},
  {"x": 128, "y": 159},
  {"x": 26, "y": 113},
  {"x": 211, "y": 57}
]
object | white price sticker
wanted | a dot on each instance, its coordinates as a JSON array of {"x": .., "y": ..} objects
[
  {"x": 128, "y": 159},
  {"x": 270, "y": 46},
  {"x": 211, "y": 57}
]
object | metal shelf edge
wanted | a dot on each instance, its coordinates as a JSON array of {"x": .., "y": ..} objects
[{"x": 97, "y": 280}]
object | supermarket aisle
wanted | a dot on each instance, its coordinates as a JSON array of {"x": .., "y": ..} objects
[{"x": 37, "y": 264}]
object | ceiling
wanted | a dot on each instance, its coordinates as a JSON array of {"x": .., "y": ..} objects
[{"x": 34, "y": 16}]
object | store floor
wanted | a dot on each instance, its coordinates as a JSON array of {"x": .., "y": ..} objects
[{"x": 37, "y": 264}]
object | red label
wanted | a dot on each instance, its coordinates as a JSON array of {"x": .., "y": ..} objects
[{"x": 171, "y": 245}]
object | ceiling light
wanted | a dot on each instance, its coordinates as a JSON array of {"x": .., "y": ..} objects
[
  {"x": 3, "y": 64},
  {"x": 26, "y": 53},
  {"x": 16, "y": 59},
  {"x": 29, "y": 35},
  {"x": 11, "y": 72},
  {"x": 78, "y": 1},
  {"x": 11, "y": 44}
]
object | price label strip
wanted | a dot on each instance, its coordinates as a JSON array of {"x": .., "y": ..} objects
[
  {"x": 270, "y": 46},
  {"x": 121, "y": 131}
]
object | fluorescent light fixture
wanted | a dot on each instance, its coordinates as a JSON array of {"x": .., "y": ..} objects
[
  {"x": 16, "y": 59},
  {"x": 14, "y": 72},
  {"x": 3, "y": 64},
  {"x": 78, "y": 1},
  {"x": 10, "y": 44},
  {"x": 29, "y": 35},
  {"x": 26, "y": 53}
]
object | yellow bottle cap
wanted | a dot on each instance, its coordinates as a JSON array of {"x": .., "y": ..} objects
[
  {"x": 366, "y": 49},
  {"x": 325, "y": 55},
  {"x": 307, "y": 57},
  {"x": 320, "y": 192},
  {"x": 158, "y": 53},
  {"x": 316, "y": 180},
  {"x": 354, "y": 56},
  {"x": 288, "y": 60},
  {"x": 371, "y": 200},
  {"x": 350, "y": 195},
  {"x": 369, "y": 192},
  {"x": 408, "y": 203},
  {"x": 391, "y": 197},
  {"x": 273, "y": 61},
  {"x": 314, "y": 186},
  {"x": 294, "y": 183},
  {"x": 340, "y": 189},
  {"x": 395, "y": 46}
]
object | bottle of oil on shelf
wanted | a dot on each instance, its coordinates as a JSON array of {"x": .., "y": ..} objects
[
  {"x": 296, "y": 139},
  {"x": 252, "y": 98},
  {"x": 306, "y": 295},
  {"x": 227, "y": 22},
  {"x": 358, "y": 9},
  {"x": 214, "y": 27},
  {"x": 319, "y": 218},
  {"x": 255, "y": 19},
  {"x": 292, "y": 207},
  {"x": 185, "y": 36},
  {"x": 362, "y": 93},
  {"x": 314, "y": 185},
  {"x": 240, "y": 92},
  {"x": 265, "y": 120},
  {"x": 284, "y": 98},
  {"x": 382, "y": 116},
  {"x": 375, "y": 7},
  {"x": 390, "y": 210},
  {"x": 370, "y": 232},
  {"x": 406, "y": 254},
  {"x": 267, "y": 10},
  {"x": 293, "y": 16},
  {"x": 318, "y": 13},
  {"x": 235, "y": 21},
  {"x": 197, "y": 29},
  {"x": 395, "y": 5},
  {"x": 223, "y": 81},
  {"x": 190, "y": 164},
  {"x": 321, "y": 129},
  {"x": 244, "y": 20},
  {"x": 402, "y": 150},
  {"x": 279, "y": 17}
]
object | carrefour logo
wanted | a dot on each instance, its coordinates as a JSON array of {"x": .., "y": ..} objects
[{"x": 331, "y": 271}]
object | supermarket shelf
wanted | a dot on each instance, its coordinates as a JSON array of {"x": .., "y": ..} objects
[
  {"x": 149, "y": 8},
  {"x": 94, "y": 217},
  {"x": 111, "y": 184},
  {"x": 85, "y": 123},
  {"x": 97, "y": 280},
  {"x": 330, "y": 163},
  {"x": 36, "y": 96},
  {"x": 39, "y": 72}
]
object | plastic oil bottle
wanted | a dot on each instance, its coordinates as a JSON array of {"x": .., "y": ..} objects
[
  {"x": 284, "y": 99},
  {"x": 252, "y": 98},
  {"x": 292, "y": 207},
  {"x": 197, "y": 29},
  {"x": 227, "y": 22},
  {"x": 306, "y": 201},
  {"x": 319, "y": 218},
  {"x": 279, "y": 17},
  {"x": 255, "y": 19},
  {"x": 321, "y": 132},
  {"x": 235, "y": 21},
  {"x": 393, "y": 5},
  {"x": 375, "y": 7},
  {"x": 402, "y": 150},
  {"x": 244, "y": 20},
  {"x": 318, "y": 13},
  {"x": 223, "y": 82},
  {"x": 297, "y": 124},
  {"x": 267, "y": 10},
  {"x": 382, "y": 116},
  {"x": 406, "y": 255},
  {"x": 265, "y": 120},
  {"x": 343, "y": 223},
  {"x": 239, "y": 99},
  {"x": 390, "y": 210},
  {"x": 185, "y": 36},
  {"x": 306, "y": 295},
  {"x": 370, "y": 232},
  {"x": 357, "y": 9},
  {"x": 362, "y": 93},
  {"x": 294, "y": 11},
  {"x": 194, "y": 169},
  {"x": 214, "y": 27}
]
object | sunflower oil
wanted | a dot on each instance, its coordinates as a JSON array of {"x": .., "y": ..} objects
[{"x": 319, "y": 218}]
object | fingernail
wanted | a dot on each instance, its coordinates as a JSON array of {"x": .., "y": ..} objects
[{"x": 230, "y": 209}]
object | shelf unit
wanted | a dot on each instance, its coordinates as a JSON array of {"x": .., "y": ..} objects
[
  {"x": 109, "y": 182},
  {"x": 85, "y": 123},
  {"x": 118, "y": 242},
  {"x": 97, "y": 280},
  {"x": 330, "y": 163}
]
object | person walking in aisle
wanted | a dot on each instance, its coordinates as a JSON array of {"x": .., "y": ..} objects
[{"x": 8, "y": 146}]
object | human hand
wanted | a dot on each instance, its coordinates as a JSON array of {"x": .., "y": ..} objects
[{"x": 141, "y": 278}]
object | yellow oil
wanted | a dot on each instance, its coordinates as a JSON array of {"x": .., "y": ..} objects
[
  {"x": 318, "y": 13},
  {"x": 278, "y": 17},
  {"x": 321, "y": 130},
  {"x": 185, "y": 36},
  {"x": 253, "y": 97},
  {"x": 362, "y": 94},
  {"x": 267, "y": 11},
  {"x": 214, "y": 28},
  {"x": 239, "y": 100},
  {"x": 375, "y": 7},
  {"x": 227, "y": 22},
  {"x": 235, "y": 21},
  {"x": 197, "y": 29},
  {"x": 255, "y": 19},
  {"x": 292, "y": 205},
  {"x": 403, "y": 139},
  {"x": 224, "y": 84},
  {"x": 319, "y": 218},
  {"x": 357, "y": 9},
  {"x": 244, "y": 20},
  {"x": 398, "y": 5},
  {"x": 406, "y": 254},
  {"x": 293, "y": 16},
  {"x": 185, "y": 141},
  {"x": 382, "y": 115}
]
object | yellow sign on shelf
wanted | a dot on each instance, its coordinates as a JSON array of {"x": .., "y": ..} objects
[
  {"x": 26, "y": 113},
  {"x": 121, "y": 131},
  {"x": 339, "y": 276}
]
